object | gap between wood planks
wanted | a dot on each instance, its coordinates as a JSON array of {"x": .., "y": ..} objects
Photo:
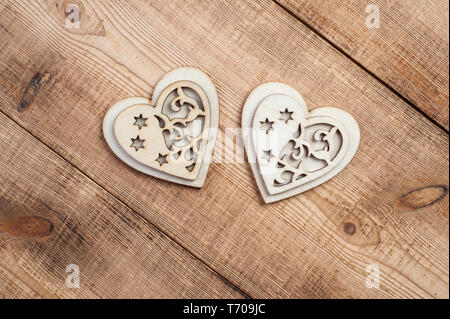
[
  {"x": 372, "y": 74},
  {"x": 225, "y": 280},
  {"x": 127, "y": 205}
]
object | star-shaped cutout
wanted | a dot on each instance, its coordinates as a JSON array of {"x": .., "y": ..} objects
[
  {"x": 162, "y": 159},
  {"x": 267, "y": 155},
  {"x": 286, "y": 115},
  {"x": 266, "y": 125},
  {"x": 140, "y": 121},
  {"x": 137, "y": 143}
]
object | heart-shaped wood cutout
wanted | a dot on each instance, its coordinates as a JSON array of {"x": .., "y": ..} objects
[
  {"x": 290, "y": 149},
  {"x": 172, "y": 136}
]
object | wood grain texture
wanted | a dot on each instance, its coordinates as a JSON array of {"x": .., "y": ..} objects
[
  {"x": 409, "y": 51},
  {"x": 14, "y": 287},
  {"x": 52, "y": 216},
  {"x": 314, "y": 245}
]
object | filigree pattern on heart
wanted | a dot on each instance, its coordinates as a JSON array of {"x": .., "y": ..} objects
[
  {"x": 169, "y": 136},
  {"x": 322, "y": 149},
  {"x": 295, "y": 149}
]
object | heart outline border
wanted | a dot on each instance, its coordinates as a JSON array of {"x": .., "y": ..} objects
[
  {"x": 183, "y": 73},
  {"x": 250, "y": 107}
]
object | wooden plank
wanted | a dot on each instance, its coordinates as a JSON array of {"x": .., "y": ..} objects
[
  {"x": 409, "y": 50},
  {"x": 53, "y": 216},
  {"x": 317, "y": 244},
  {"x": 12, "y": 287}
]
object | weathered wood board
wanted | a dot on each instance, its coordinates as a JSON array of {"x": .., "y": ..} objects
[
  {"x": 53, "y": 216},
  {"x": 409, "y": 50},
  {"x": 314, "y": 245}
]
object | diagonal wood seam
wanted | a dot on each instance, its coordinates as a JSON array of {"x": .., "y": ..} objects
[
  {"x": 132, "y": 209},
  {"x": 372, "y": 74},
  {"x": 221, "y": 277}
]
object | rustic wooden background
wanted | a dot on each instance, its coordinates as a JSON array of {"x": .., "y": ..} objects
[{"x": 66, "y": 199}]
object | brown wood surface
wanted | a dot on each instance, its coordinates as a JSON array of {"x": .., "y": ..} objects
[
  {"x": 388, "y": 207},
  {"x": 53, "y": 216},
  {"x": 409, "y": 51}
]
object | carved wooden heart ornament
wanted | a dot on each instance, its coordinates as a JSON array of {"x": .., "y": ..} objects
[
  {"x": 173, "y": 135},
  {"x": 290, "y": 149}
]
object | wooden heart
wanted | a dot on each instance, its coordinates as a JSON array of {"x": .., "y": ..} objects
[
  {"x": 173, "y": 135},
  {"x": 290, "y": 149}
]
